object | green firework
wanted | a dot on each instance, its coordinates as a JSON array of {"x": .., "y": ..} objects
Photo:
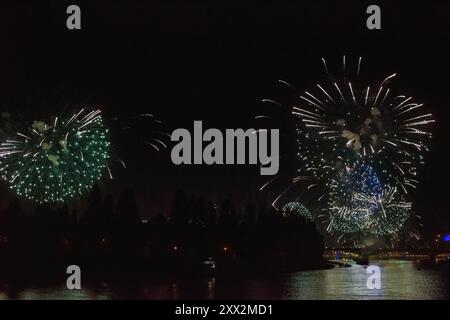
[
  {"x": 297, "y": 209},
  {"x": 53, "y": 163}
]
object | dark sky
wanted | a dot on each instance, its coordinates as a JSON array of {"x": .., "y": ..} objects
[{"x": 198, "y": 61}]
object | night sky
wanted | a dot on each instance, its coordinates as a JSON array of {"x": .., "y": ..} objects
[{"x": 183, "y": 62}]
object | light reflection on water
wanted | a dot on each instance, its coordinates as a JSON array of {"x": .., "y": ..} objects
[{"x": 399, "y": 280}]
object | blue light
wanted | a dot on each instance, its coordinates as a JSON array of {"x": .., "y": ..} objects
[{"x": 446, "y": 237}]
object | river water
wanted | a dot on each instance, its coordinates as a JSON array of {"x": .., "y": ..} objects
[{"x": 399, "y": 280}]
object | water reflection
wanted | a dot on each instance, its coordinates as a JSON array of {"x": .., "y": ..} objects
[{"x": 400, "y": 280}]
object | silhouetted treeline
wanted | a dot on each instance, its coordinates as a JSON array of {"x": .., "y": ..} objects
[{"x": 196, "y": 236}]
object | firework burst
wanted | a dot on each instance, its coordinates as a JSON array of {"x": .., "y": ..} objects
[
  {"x": 296, "y": 209},
  {"x": 359, "y": 148},
  {"x": 56, "y": 161},
  {"x": 342, "y": 122},
  {"x": 359, "y": 205}
]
